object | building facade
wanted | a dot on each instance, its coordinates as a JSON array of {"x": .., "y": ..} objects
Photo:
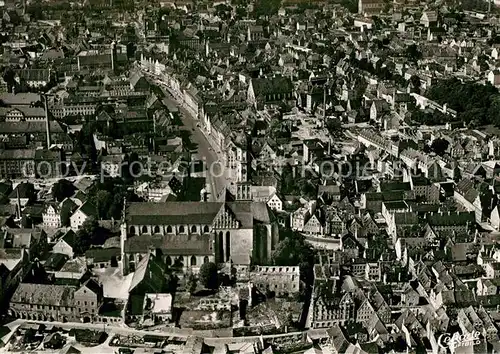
[{"x": 188, "y": 234}]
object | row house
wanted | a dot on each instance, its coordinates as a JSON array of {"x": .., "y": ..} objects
[
  {"x": 152, "y": 65},
  {"x": 22, "y": 114},
  {"x": 61, "y": 303}
]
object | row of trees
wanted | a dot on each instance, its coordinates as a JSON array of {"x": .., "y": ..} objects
[
  {"x": 476, "y": 104},
  {"x": 208, "y": 278},
  {"x": 108, "y": 196},
  {"x": 89, "y": 234},
  {"x": 430, "y": 118}
]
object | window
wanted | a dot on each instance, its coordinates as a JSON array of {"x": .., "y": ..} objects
[
  {"x": 144, "y": 229},
  {"x": 85, "y": 303},
  {"x": 193, "y": 261},
  {"x": 193, "y": 228},
  {"x": 228, "y": 246},
  {"x": 206, "y": 229},
  {"x": 181, "y": 229},
  {"x": 169, "y": 229},
  {"x": 157, "y": 229}
]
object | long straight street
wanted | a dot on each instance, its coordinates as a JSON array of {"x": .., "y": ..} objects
[{"x": 216, "y": 178}]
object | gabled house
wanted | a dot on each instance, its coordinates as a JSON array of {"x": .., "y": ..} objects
[
  {"x": 139, "y": 83},
  {"x": 314, "y": 226},
  {"x": 330, "y": 194},
  {"x": 84, "y": 212},
  {"x": 65, "y": 245},
  {"x": 378, "y": 109},
  {"x": 33, "y": 240},
  {"x": 88, "y": 298},
  {"x": 275, "y": 203},
  {"x": 299, "y": 218},
  {"x": 58, "y": 215},
  {"x": 429, "y": 18},
  {"x": 23, "y": 193}
]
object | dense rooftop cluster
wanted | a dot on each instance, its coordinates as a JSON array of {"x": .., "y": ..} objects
[{"x": 250, "y": 177}]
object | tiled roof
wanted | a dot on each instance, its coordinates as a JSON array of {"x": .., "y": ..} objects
[
  {"x": 102, "y": 254},
  {"x": 150, "y": 272},
  {"x": 173, "y": 245},
  {"x": 11, "y": 99},
  {"x": 88, "y": 209},
  {"x": 394, "y": 186},
  {"x": 26, "y": 111},
  {"x": 34, "y": 74},
  {"x": 450, "y": 219},
  {"x": 17, "y": 154},
  {"x": 25, "y": 190},
  {"x": 266, "y": 86},
  {"x": 172, "y": 213},
  {"x": 42, "y": 294},
  {"x": 406, "y": 218},
  {"x": 29, "y": 127},
  {"x": 70, "y": 238}
]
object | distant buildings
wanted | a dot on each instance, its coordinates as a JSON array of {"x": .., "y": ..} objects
[{"x": 370, "y": 7}]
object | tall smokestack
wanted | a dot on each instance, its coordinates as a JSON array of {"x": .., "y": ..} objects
[
  {"x": 47, "y": 122},
  {"x": 113, "y": 44}
]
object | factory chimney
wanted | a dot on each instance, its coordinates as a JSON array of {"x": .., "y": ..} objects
[
  {"x": 47, "y": 122},
  {"x": 113, "y": 49}
]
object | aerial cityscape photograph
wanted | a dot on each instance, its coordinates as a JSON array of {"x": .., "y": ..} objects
[{"x": 250, "y": 176}]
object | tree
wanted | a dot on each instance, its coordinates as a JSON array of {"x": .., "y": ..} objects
[
  {"x": 62, "y": 189},
  {"x": 350, "y": 5},
  {"x": 413, "y": 53},
  {"x": 293, "y": 250},
  {"x": 266, "y": 7},
  {"x": 439, "y": 146},
  {"x": 172, "y": 281},
  {"x": 110, "y": 204},
  {"x": 90, "y": 226},
  {"x": 333, "y": 125},
  {"x": 415, "y": 81},
  {"x": 192, "y": 283},
  {"x": 102, "y": 200},
  {"x": 82, "y": 242},
  {"x": 473, "y": 102},
  {"x": 209, "y": 275}
]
